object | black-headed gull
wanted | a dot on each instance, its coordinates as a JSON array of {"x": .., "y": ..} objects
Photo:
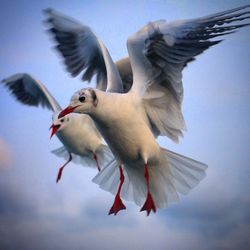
[
  {"x": 77, "y": 133},
  {"x": 130, "y": 122}
]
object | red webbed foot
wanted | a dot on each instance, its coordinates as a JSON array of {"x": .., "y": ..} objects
[
  {"x": 149, "y": 205},
  {"x": 59, "y": 175},
  {"x": 117, "y": 206}
]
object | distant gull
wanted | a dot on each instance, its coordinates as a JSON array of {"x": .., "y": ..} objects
[{"x": 77, "y": 132}]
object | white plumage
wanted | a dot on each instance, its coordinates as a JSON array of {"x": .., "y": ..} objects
[
  {"x": 130, "y": 122},
  {"x": 77, "y": 133}
]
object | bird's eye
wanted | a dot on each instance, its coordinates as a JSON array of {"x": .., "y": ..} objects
[
  {"x": 82, "y": 98},
  {"x": 62, "y": 120}
]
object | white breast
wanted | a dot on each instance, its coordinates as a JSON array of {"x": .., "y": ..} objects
[
  {"x": 80, "y": 136},
  {"x": 124, "y": 127}
]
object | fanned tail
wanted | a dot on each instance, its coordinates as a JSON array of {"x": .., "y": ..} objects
[
  {"x": 176, "y": 174},
  {"x": 186, "y": 173},
  {"x": 103, "y": 154}
]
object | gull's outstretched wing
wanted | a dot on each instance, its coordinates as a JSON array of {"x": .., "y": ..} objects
[
  {"x": 83, "y": 51},
  {"x": 159, "y": 52},
  {"x": 31, "y": 92}
]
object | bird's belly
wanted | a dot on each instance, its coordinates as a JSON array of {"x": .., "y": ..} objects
[
  {"x": 129, "y": 145},
  {"x": 79, "y": 144},
  {"x": 125, "y": 150}
]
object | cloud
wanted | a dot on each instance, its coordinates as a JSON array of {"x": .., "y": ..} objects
[
  {"x": 73, "y": 215},
  {"x": 5, "y": 155},
  {"x": 218, "y": 221},
  {"x": 16, "y": 209},
  {"x": 201, "y": 222},
  {"x": 14, "y": 202}
]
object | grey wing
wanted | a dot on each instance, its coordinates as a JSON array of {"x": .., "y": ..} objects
[
  {"x": 30, "y": 92},
  {"x": 83, "y": 52},
  {"x": 124, "y": 68},
  {"x": 158, "y": 54}
]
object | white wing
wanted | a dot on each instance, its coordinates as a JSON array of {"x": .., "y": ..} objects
[
  {"x": 31, "y": 92},
  {"x": 83, "y": 51},
  {"x": 158, "y": 54}
]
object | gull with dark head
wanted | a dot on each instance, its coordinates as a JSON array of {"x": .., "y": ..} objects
[{"x": 130, "y": 122}]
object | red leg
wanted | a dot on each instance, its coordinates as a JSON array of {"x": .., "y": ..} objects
[
  {"x": 59, "y": 175},
  {"x": 118, "y": 205},
  {"x": 97, "y": 163},
  {"x": 149, "y": 203}
]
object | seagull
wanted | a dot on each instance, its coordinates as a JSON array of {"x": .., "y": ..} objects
[
  {"x": 130, "y": 122},
  {"x": 77, "y": 133}
]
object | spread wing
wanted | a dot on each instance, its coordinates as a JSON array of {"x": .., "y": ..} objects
[
  {"x": 30, "y": 92},
  {"x": 83, "y": 52},
  {"x": 159, "y": 52}
]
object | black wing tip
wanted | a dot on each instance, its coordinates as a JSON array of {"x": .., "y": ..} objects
[
  {"x": 48, "y": 22},
  {"x": 50, "y": 31},
  {"x": 3, "y": 80},
  {"x": 244, "y": 24},
  {"x": 241, "y": 8},
  {"x": 48, "y": 11},
  {"x": 216, "y": 42}
]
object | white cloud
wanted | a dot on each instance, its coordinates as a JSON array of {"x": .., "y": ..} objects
[{"x": 5, "y": 155}]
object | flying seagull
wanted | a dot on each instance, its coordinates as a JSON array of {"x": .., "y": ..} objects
[
  {"x": 131, "y": 122},
  {"x": 77, "y": 133}
]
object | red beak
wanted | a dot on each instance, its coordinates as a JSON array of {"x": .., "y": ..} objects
[
  {"x": 54, "y": 129},
  {"x": 66, "y": 111}
]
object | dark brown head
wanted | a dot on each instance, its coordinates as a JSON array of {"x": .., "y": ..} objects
[{"x": 83, "y": 102}]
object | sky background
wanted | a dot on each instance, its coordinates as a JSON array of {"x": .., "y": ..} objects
[{"x": 37, "y": 213}]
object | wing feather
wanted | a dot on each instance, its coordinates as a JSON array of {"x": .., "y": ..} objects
[
  {"x": 83, "y": 52},
  {"x": 30, "y": 92},
  {"x": 160, "y": 51}
]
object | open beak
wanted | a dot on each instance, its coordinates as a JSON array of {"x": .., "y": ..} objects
[
  {"x": 66, "y": 111},
  {"x": 54, "y": 129}
]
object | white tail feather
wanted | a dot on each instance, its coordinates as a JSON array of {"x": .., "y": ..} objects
[
  {"x": 177, "y": 174},
  {"x": 186, "y": 172},
  {"x": 103, "y": 154}
]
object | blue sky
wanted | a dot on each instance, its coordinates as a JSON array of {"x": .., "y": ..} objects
[{"x": 37, "y": 213}]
